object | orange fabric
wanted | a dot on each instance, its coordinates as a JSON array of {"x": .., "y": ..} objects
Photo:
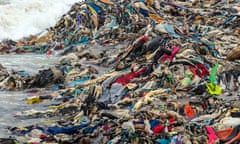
[
  {"x": 198, "y": 17},
  {"x": 223, "y": 134},
  {"x": 107, "y": 2},
  {"x": 189, "y": 112},
  {"x": 156, "y": 18}
]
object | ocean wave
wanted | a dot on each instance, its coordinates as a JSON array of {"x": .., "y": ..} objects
[{"x": 20, "y": 18}]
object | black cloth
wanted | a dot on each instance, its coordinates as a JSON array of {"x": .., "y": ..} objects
[
  {"x": 44, "y": 78},
  {"x": 137, "y": 48}
]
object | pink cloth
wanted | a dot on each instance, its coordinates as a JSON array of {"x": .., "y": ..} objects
[
  {"x": 211, "y": 135},
  {"x": 175, "y": 49}
]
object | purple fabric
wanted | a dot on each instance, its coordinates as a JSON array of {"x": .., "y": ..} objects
[{"x": 79, "y": 19}]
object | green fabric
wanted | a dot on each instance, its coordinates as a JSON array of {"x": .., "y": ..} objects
[{"x": 212, "y": 76}]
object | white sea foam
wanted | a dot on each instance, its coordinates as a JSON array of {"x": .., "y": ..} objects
[{"x": 20, "y": 18}]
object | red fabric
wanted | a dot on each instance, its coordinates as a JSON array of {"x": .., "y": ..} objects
[
  {"x": 49, "y": 52},
  {"x": 42, "y": 136},
  {"x": 193, "y": 70},
  {"x": 175, "y": 49},
  {"x": 199, "y": 69},
  {"x": 204, "y": 105},
  {"x": 106, "y": 127},
  {"x": 143, "y": 38},
  {"x": 172, "y": 119},
  {"x": 203, "y": 69},
  {"x": 128, "y": 76},
  {"x": 158, "y": 128},
  {"x": 170, "y": 128}
]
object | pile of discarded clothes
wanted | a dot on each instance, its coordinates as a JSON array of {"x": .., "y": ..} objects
[{"x": 148, "y": 71}]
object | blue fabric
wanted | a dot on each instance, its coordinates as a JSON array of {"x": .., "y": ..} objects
[
  {"x": 229, "y": 19},
  {"x": 195, "y": 35},
  {"x": 55, "y": 88},
  {"x": 67, "y": 130},
  {"x": 23, "y": 73},
  {"x": 131, "y": 106},
  {"x": 170, "y": 30},
  {"x": 208, "y": 121},
  {"x": 163, "y": 141},
  {"x": 25, "y": 131},
  {"x": 144, "y": 12},
  {"x": 82, "y": 40},
  {"x": 90, "y": 129},
  {"x": 95, "y": 7},
  {"x": 131, "y": 10},
  {"x": 153, "y": 123}
]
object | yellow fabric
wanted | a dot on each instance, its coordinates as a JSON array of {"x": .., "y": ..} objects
[
  {"x": 214, "y": 88},
  {"x": 92, "y": 10},
  {"x": 56, "y": 107},
  {"x": 34, "y": 99}
]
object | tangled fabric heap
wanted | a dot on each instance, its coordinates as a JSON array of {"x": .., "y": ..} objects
[{"x": 136, "y": 72}]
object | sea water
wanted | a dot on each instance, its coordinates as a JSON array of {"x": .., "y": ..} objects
[
  {"x": 13, "y": 102},
  {"x": 19, "y": 18}
]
